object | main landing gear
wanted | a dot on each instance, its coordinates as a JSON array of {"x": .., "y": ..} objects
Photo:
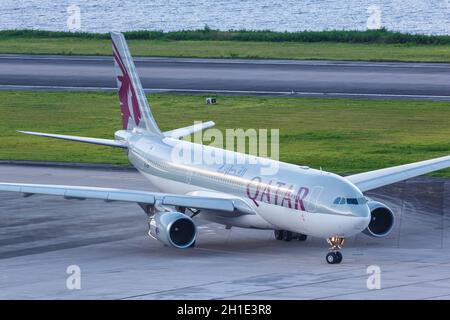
[
  {"x": 335, "y": 256},
  {"x": 288, "y": 235}
]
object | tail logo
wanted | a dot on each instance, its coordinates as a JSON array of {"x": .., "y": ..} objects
[{"x": 129, "y": 104}]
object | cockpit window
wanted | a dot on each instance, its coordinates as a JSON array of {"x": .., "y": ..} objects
[{"x": 351, "y": 201}]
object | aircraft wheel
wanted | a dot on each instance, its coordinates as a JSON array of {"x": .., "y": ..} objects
[
  {"x": 278, "y": 234},
  {"x": 334, "y": 257},
  {"x": 287, "y": 235},
  {"x": 339, "y": 256}
]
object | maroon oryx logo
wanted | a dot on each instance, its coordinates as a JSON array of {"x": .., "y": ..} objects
[{"x": 129, "y": 104}]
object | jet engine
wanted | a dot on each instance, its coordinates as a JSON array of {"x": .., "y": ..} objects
[
  {"x": 381, "y": 220},
  {"x": 173, "y": 229}
]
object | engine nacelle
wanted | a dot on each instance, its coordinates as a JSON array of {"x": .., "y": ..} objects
[
  {"x": 381, "y": 220},
  {"x": 173, "y": 229}
]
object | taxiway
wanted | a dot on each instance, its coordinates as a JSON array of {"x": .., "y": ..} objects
[{"x": 40, "y": 236}]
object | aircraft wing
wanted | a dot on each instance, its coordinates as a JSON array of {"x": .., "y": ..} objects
[
  {"x": 230, "y": 206},
  {"x": 378, "y": 178},
  {"x": 182, "y": 132}
]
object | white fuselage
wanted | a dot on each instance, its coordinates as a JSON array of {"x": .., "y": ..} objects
[{"x": 286, "y": 197}]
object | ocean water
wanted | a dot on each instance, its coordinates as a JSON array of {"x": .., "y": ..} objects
[{"x": 414, "y": 16}]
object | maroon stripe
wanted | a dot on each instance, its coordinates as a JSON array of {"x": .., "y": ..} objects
[{"x": 118, "y": 57}]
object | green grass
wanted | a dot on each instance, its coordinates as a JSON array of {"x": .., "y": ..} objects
[
  {"x": 330, "y": 45},
  {"x": 340, "y": 135},
  {"x": 343, "y": 36}
]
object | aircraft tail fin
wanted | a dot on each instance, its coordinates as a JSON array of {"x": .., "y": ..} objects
[{"x": 133, "y": 102}]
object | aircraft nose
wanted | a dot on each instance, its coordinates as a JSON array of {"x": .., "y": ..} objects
[
  {"x": 363, "y": 220},
  {"x": 362, "y": 211}
]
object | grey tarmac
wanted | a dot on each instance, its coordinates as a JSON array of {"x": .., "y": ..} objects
[
  {"x": 41, "y": 236},
  {"x": 369, "y": 80}
]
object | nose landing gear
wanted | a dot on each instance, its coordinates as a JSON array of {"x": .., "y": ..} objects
[{"x": 335, "y": 256}]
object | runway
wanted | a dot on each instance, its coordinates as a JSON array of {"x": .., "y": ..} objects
[
  {"x": 40, "y": 236},
  {"x": 226, "y": 76}
]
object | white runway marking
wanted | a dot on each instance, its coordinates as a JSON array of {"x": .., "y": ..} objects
[
  {"x": 239, "y": 61},
  {"x": 249, "y": 92}
]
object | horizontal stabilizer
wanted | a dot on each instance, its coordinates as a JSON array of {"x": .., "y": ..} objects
[
  {"x": 103, "y": 142},
  {"x": 186, "y": 131}
]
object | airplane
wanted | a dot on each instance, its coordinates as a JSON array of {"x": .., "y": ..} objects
[{"x": 296, "y": 202}]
